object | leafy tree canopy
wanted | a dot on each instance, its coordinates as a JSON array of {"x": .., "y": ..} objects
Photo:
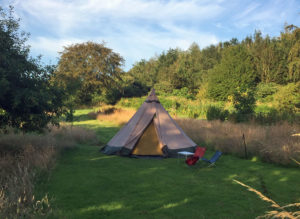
[
  {"x": 256, "y": 59},
  {"x": 28, "y": 100},
  {"x": 86, "y": 68},
  {"x": 235, "y": 70}
]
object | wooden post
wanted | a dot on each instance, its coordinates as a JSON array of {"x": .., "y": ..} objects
[{"x": 245, "y": 146}]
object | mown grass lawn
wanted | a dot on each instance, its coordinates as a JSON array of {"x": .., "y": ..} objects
[{"x": 87, "y": 184}]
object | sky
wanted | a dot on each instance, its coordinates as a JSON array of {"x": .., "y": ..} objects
[{"x": 141, "y": 29}]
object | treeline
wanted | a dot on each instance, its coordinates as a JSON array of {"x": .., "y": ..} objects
[
  {"x": 218, "y": 70},
  {"x": 242, "y": 73}
]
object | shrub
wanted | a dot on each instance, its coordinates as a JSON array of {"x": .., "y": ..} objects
[
  {"x": 215, "y": 113},
  {"x": 111, "y": 96},
  {"x": 163, "y": 87},
  {"x": 264, "y": 91},
  {"x": 287, "y": 99},
  {"x": 136, "y": 89},
  {"x": 244, "y": 103},
  {"x": 183, "y": 92},
  {"x": 132, "y": 102},
  {"x": 270, "y": 117}
]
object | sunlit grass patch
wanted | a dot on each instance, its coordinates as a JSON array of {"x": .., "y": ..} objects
[
  {"x": 173, "y": 205},
  {"x": 119, "y": 116},
  {"x": 105, "y": 207}
]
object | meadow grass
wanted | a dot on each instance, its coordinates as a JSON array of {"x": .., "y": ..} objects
[
  {"x": 278, "y": 143},
  {"x": 87, "y": 184},
  {"x": 27, "y": 158}
]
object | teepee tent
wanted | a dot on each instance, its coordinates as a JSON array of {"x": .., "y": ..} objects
[{"x": 150, "y": 132}]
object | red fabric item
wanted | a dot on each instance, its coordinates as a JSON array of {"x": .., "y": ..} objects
[
  {"x": 199, "y": 152},
  {"x": 191, "y": 160}
]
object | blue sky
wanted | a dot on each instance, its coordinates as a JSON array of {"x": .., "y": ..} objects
[{"x": 138, "y": 29}]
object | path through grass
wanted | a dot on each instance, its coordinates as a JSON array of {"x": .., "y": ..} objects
[{"x": 87, "y": 184}]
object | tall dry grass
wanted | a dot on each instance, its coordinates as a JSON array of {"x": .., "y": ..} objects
[
  {"x": 290, "y": 211},
  {"x": 22, "y": 158},
  {"x": 276, "y": 143},
  {"x": 115, "y": 115}
]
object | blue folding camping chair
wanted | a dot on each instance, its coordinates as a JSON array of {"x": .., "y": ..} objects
[{"x": 213, "y": 159}]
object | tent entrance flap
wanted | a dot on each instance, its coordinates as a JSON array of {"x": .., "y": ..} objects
[{"x": 148, "y": 144}]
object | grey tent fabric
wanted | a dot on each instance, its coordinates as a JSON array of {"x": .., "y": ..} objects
[{"x": 171, "y": 137}]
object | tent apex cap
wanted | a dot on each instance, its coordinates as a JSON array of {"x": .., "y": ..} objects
[{"x": 152, "y": 96}]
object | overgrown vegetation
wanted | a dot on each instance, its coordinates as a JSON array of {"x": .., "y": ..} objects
[
  {"x": 239, "y": 109},
  {"x": 27, "y": 158},
  {"x": 275, "y": 144}
]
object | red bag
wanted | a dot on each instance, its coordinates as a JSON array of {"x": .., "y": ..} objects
[{"x": 191, "y": 160}]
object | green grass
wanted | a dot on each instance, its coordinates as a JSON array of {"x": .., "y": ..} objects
[{"x": 87, "y": 184}]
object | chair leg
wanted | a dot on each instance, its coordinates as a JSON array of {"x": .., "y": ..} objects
[{"x": 212, "y": 165}]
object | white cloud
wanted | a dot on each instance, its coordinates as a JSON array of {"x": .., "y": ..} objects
[
  {"x": 63, "y": 16},
  {"x": 134, "y": 28},
  {"x": 249, "y": 9},
  {"x": 141, "y": 28},
  {"x": 268, "y": 15},
  {"x": 52, "y": 45}
]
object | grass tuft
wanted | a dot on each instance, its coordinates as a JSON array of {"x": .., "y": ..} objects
[
  {"x": 23, "y": 157},
  {"x": 280, "y": 212}
]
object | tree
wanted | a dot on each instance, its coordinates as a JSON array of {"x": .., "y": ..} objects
[
  {"x": 294, "y": 57},
  {"x": 187, "y": 70},
  {"x": 28, "y": 100},
  {"x": 144, "y": 72},
  {"x": 244, "y": 103},
  {"x": 287, "y": 98},
  {"x": 87, "y": 68},
  {"x": 235, "y": 70}
]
